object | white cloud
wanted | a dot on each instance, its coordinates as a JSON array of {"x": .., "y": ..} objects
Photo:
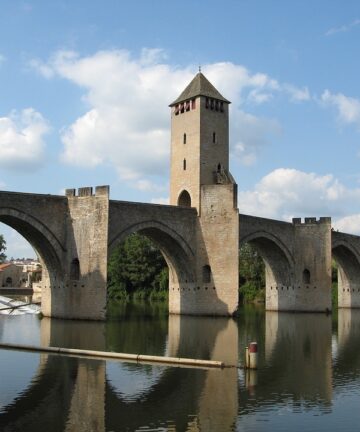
[
  {"x": 249, "y": 133},
  {"x": 285, "y": 193},
  {"x": 42, "y": 68},
  {"x": 145, "y": 185},
  {"x": 297, "y": 94},
  {"x": 127, "y": 120},
  {"x": 348, "y": 108},
  {"x": 349, "y": 224},
  {"x": 22, "y": 139},
  {"x": 343, "y": 28},
  {"x": 2, "y": 59},
  {"x": 160, "y": 200},
  {"x": 16, "y": 245}
]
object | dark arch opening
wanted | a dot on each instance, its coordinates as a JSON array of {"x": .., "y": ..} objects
[
  {"x": 345, "y": 276},
  {"x": 306, "y": 277},
  {"x": 206, "y": 274},
  {"x": 75, "y": 269},
  {"x": 9, "y": 282},
  {"x": 184, "y": 199}
]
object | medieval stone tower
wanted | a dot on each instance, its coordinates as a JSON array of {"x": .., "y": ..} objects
[{"x": 200, "y": 178}]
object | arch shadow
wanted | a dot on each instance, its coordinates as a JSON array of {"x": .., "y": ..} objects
[
  {"x": 348, "y": 261},
  {"x": 279, "y": 265}
]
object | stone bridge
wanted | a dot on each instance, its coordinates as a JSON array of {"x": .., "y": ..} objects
[{"x": 74, "y": 235}]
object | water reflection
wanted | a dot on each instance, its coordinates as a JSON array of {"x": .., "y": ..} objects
[
  {"x": 347, "y": 358},
  {"x": 296, "y": 365},
  {"x": 298, "y": 349},
  {"x": 74, "y": 394},
  {"x": 305, "y": 372}
]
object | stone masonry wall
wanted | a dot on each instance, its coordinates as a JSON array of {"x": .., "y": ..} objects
[{"x": 82, "y": 293}]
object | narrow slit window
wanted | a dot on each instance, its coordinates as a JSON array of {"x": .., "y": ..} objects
[
  {"x": 306, "y": 277},
  {"x": 214, "y": 137},
  {"x": 184, "y": 164},
  {"x": 193, "y": 104},
  {"x": 184, "y": 138}
]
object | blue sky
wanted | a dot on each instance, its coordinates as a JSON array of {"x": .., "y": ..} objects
[{"x": 85, "y": 88}]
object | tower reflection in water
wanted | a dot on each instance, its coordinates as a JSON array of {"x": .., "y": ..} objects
[
  {"x": 74, "y": 394},
  {"x": 298, "y": 351}
]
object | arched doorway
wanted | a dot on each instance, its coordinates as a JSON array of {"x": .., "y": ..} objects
[{"x": 184, "y": 199}]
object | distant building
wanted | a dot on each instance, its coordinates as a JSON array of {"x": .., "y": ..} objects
[{"x": 12, "y": 275}]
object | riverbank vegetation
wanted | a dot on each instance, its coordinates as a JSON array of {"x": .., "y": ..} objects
[{"x": 137, "y": 270}]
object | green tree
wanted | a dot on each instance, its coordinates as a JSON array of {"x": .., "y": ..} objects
[
  {"x": 135, "y": 265},
  {"x": 251, "y": 273},
  {"x": 2, "y": 249}
]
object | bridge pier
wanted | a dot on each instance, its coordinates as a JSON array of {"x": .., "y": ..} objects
[
  {"x": 80, "y": 293},
  {"x": 307, "y": 285}
]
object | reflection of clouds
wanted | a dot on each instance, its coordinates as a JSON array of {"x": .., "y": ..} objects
[
  {"x": 20, "y": 329},
  {"x": 132, "y": 381},
  {"x": 15, "y": 380}
]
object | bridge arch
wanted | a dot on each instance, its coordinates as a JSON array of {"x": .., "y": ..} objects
[
  {"x": 279, "y": 263},
  {"x": 177, "y": 253},
  {"x": 348, "y": 260},
  {"x": 45, "y": 243}
]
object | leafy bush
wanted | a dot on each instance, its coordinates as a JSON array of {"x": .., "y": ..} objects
[{"x": 137, "y": 268}]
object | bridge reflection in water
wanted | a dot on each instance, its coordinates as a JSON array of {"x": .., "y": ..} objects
[
  {"x": 301, "y": 364},
  {"x": 74, "y": 394}
]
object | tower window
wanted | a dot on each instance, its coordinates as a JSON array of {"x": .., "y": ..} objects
[
  {"x": 222, "y": 106},
  {"x": 214, "y": 137},
  {"x": 217, "y": 105},
  {"x": 193, "y": 104},
  {"x": 184, "y": 164},
  {"x": 184, "y": 138},
  {"x": 182, "y": 108},
  {"x": 207, "y": 103},
  {"x": 177, "y": 109},
  {"x": 187, "y": 106},
  {"x": 212, "y": 104}
]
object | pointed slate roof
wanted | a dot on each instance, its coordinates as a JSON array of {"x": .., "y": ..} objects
[{"x": 199, "y": 86}]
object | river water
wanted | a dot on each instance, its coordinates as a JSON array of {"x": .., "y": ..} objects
[{"x": 308, "y": 377}]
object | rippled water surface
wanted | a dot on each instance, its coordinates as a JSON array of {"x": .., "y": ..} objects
[{"x": 308, "y": 379}]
